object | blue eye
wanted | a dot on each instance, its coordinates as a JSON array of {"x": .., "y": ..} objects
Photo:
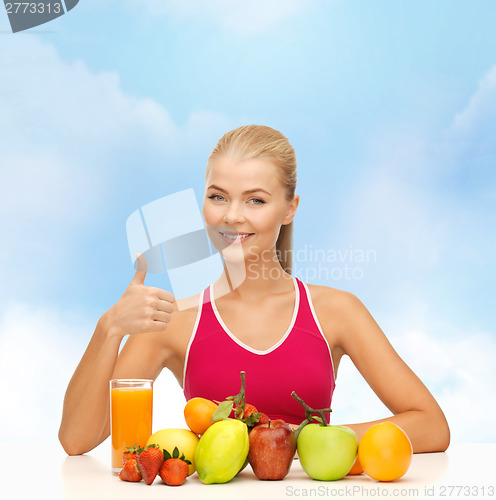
[
  {"x": 216, "y": 197},
  {"x": 257, "y": 201}
]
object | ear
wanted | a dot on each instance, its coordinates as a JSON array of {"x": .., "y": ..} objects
[{"x": 288, "y": 218}]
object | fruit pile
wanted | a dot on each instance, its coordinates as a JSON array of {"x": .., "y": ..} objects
[
  {"x": 330, "y": 452},
  {"x": 225, "y": 436},
  {"x": 146, "y": 463}
]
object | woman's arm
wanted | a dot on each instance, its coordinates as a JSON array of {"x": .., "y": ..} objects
[
  {"x": 414, "y": 408},
  {"x": 143, "y": 312},
  {"x": 86, "y": 419}
]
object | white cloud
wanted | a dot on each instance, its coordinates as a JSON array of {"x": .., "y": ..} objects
[
  {"x": 468, "y": 143},
  {"x": 422, "y": 168},
  {"x": 425, "y": 205},
  {"x": 69, "y": 140},
  {"x": 65, "y": 134},
  {"x": 243, "y": 18},
  {"x": 480, "y": 109},
  {"x": 39, "y": 351},
  {"x": 71, "y": 143},
  {"x": 459, "y": 371}
]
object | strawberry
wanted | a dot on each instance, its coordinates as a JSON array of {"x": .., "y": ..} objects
[
  {"x": 175, "y": 468},
  {"x": 149, "y": 461},
  {"x": 130, "y": 453},
  {"x": 174, "y": 471},
  {"x": 264, "y": 419},
  {"x": 249, "y": 409},
  {"x": 130, "y": 471},
  {"x": 251, "y": 416}
]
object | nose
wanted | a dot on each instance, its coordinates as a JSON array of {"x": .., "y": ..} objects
[{"x": 233, "y": 214}]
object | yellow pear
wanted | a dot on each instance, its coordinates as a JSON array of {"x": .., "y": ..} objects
[
  {"x": 222, "y": 451},
  {"x": 185, "y": 440}
]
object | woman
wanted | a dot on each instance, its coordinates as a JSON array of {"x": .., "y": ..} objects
[{"x": 287, "y": 335}]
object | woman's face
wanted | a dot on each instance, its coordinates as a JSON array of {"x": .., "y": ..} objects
[{"x": 244, "y": 206}]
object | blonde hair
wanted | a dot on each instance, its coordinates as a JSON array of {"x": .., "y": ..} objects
[{"x": 258, "y": 141}]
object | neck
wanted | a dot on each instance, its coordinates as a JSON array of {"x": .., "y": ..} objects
[{"x": 252, "y": 280}]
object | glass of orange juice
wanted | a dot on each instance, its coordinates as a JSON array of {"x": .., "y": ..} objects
[{"x": 131, "y": 408}]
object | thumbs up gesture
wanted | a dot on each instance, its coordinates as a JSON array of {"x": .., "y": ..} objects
[
  {"x": 141, "y": 308},
  {"x": 141, "y": 269}
]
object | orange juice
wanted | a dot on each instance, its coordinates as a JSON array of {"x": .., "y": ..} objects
[{"x": 131, "y": 419}]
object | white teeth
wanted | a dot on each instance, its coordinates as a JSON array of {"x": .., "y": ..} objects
[{"x": 235, "y": 236}]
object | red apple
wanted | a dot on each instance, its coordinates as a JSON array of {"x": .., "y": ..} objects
[{"x": 272, "y": 449}]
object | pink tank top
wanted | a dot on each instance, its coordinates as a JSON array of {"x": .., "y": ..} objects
[{"x": 300, "y": 361}]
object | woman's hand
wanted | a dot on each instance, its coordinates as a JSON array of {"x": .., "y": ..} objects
[
  {"x": 85, "y": 419},
  {"x": 140, "y": 309}
]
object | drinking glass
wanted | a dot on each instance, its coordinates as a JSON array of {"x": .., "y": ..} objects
[{"x": 131, "y": 408}]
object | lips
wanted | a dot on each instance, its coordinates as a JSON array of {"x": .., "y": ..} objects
[{"x": 235, "y": 237}]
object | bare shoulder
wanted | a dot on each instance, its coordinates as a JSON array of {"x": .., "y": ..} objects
[
  {"x": 331, "y": 300},
  {"x": 335, "y": 310}
]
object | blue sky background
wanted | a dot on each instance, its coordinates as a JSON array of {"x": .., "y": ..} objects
[{"x": 391, "y": 107}]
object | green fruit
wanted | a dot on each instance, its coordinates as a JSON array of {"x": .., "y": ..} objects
[
  {"x": 222, "y": 451},
  {"x": 327, "y": 452},
  {"x": 246, "y": 462}
]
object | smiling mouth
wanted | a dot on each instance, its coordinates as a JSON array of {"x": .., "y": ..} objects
[{"x": 235, "y": 236}]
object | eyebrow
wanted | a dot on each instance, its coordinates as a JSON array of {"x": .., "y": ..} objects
[{"x": 249, "y": 191}]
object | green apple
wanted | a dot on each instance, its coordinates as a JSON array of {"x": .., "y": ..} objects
[{"x": 327, "y": 452}]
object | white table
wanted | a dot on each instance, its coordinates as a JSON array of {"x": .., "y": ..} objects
[{"x": 464, "y": 468}]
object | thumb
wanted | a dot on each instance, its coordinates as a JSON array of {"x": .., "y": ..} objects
[{"x": 140, "y": 274}]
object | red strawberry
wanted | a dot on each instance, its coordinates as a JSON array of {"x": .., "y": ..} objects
[
  {"x": 252, "y": 417},
  {"x": 249, "y": 409},
  {"x": 174, "y": 471},
  {"x": 130, "y": 471},
  {"x": 264, "y": 419},
  {"x": 149, "y": 462},
  {"x": 130, "y": 453}
]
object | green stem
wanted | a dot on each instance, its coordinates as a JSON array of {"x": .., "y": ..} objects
[
  {"x": 242, "y": 393},
  {"x": 310, "y": 411},
  {"x": 239, "y": 399}
]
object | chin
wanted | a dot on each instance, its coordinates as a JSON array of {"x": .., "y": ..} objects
[{"x": 234, "y": 254}]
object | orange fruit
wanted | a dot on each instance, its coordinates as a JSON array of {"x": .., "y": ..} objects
[
  {"x": 385, "y": 452},
  {"x": 198, "y": 412},
  {"x": 356, "y": 469}
]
